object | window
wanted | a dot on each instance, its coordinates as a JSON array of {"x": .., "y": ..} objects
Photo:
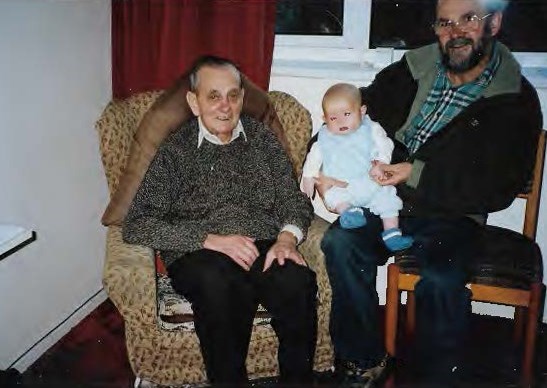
[
  {"x": 406, "y": 24},
  {"x": 322, "y": 23},
  {"x": 360, "y": 29},
  {"x": 309, "y": 17},
  {"x": 524, "y": 25},
  {"x": 402, "y": 24}
]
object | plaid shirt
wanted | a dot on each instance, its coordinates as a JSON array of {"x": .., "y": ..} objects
[{"x": 445, "y": 102}]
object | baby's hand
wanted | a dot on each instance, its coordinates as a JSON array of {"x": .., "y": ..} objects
[
  {"x": 308, "y": 186},
  {"x": 376, "y": 172}
]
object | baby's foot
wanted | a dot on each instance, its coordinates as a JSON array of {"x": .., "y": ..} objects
[
  {"x": 395, "y": 241},
  {"x": 353, "y": 218}
]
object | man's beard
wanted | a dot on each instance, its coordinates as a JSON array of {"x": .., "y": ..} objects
[{"x": 460, "y": 65}]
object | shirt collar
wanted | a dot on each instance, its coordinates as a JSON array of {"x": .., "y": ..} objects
[{"x": 204, "y": 133}]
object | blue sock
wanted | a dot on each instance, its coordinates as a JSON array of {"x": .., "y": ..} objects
[
  {"x": 353, "y": 218},
  {"x": 395, "y": 241}
]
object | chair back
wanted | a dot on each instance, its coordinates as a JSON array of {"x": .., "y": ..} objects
[
  {"x": 533, "y": 194},
  {"x": 297, "y": 126},
  {"x": 117, "y": 126}
]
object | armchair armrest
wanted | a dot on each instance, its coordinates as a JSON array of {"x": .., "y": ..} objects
[
  {"x": 311, "y": 250},
  {"x": 129, "y": 278}
]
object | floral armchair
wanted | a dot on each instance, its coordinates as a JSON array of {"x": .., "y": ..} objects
[{"x": 161, "y": 342}]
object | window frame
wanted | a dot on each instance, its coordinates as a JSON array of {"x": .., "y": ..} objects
[{"x": 353, "y": 45}]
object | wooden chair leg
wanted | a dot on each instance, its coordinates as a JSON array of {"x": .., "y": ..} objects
[
  {"x": 530, "y": 334},
  {"x": 410, "y": 324},
  {"x": 520, "y": 319},
  {"x": 392, "y": 307}
]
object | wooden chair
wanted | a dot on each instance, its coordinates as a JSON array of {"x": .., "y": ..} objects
[{"x": 499, "y": 277}]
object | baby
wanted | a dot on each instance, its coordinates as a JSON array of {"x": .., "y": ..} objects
[{"x": 347, "y": 148}]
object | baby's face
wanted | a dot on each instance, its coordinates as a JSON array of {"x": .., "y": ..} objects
[{"x": 343, "y": 116}]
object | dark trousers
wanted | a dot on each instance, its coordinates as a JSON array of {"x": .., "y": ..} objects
[
  {"x": 224, "y": 299},
  {"x": 443, "y": 247}
]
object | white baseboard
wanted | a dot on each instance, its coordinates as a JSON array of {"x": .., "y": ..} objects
[{"x": 42, "y": 345}]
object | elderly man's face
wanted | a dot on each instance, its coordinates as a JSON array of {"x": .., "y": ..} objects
[
  {"x": 218, "y": 100},
  {"x": 462, "y": 46}
]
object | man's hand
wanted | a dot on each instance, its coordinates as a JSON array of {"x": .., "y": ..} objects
[
  {"x": 308, "y": 186},
  {"x": 394, "y": 174},
  {"x": 324, "y": 183},
  {"x": 283, "y": 249},
  {"x": 240, "y": 249}
]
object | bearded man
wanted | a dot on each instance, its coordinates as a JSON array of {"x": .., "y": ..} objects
[{"x": 465, "y": 124}]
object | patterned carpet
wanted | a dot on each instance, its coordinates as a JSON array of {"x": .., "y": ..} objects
[{"x": 93, "y": 355}]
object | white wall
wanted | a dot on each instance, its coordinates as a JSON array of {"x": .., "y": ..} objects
[
  {"x": 308, "y": 80},
  {"x": 55, "y": 79}
]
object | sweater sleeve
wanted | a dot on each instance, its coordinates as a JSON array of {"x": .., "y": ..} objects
[
  {"x": 148, "y": 222},
  {"x": 292, "y": 207}
]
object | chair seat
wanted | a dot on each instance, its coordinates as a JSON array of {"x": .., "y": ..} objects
[
  {"x": 175, "y": 311},
  {"x": 507, "y": 259}
]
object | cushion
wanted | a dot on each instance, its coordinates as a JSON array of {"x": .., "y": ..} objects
[
  {"x": 165, "y": 116},
  {"x": 175, "y": 312},
  {"x": 507, "y": 259}
]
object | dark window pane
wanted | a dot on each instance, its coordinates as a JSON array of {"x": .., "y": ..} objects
[
  {"x": 407, "y": 24},
  {"x": 309, "y": 17},
  {"x": 402, "y": 24},
  {"x": 524, "y": 25}
]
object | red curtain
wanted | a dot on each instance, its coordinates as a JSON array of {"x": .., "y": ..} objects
[{"x": 155, "y": 41}]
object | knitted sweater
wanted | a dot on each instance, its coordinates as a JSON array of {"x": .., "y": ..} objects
[{"x": 245, "y": 187}]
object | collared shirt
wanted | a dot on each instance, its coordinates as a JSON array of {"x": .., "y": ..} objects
[
  {"x": 444, "y": 102},
  {"x": 204, "y": 133}
]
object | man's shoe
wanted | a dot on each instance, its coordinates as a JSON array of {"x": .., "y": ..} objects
[{"x": 348, "y": 374}]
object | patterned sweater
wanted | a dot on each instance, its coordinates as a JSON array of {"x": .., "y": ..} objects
[{"x": 245, "y": 187}]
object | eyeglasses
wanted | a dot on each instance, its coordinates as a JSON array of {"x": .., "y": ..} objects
[{"x": 465, "y": 23}]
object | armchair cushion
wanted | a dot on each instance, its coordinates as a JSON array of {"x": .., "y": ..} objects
[{"x": 175, "y": 311}]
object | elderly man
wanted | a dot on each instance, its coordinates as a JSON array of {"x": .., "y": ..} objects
[
  {"x": 221, "y": 203},
  {"x": 465, "y": 123}
]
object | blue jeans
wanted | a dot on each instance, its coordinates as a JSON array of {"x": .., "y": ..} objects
[{"x": 443, "y": 248}]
